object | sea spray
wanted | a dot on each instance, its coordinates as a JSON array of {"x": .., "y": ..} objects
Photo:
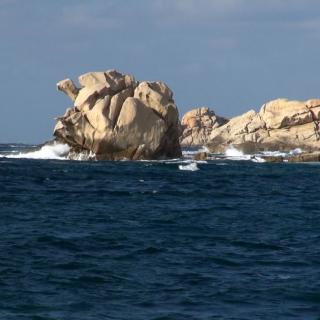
[
  {"x": 234, "y": 154},
  {"x": 189, "y": 167},
  {"x": 190, "y": 152},
  {"x": 55, "y": 151}
]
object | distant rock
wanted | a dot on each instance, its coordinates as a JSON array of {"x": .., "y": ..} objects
[
  {"x": 273, "y": 159},
  {"x": 305, "y": 157},
  {"x": 201, "y": 156},
  {"x": 279, "y": 125},
  {"x": 197, "y": 126},
  {"x": 114, "y": 117}
]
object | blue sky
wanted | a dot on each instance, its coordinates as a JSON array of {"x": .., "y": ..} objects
[{"x": 230, "y": 55}]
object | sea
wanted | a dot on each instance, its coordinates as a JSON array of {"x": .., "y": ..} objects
[{"x": 230, "y": 238}]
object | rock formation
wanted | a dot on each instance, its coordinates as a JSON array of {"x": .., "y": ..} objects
[
  {"x": 279, "y": 125},
  {"x": 197, "y": 126},
  {"x": 113, "y": 116}
]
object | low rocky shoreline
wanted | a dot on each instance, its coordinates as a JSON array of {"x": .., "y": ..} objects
[{"x": 301, "y": 157}]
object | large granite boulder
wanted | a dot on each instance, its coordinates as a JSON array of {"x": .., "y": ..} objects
[
  {"x": 197, "y": 126},
  {"x": 114, "y": 117},
  {"x": 279, "y": 125}
]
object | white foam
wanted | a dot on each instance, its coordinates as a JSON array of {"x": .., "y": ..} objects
[
  {"x": 296, "y": 151},
  {"x": 273, "y": 153},
  {"x": 56, "y": 151},
  {"x": 233, "y": 154},
  {"x": 181, "y": 161},
  {"x": 187, "y": 153},
  {"x": 83, "y": 156},
  {"x": 281, "y": 153},
  {"x": 189, "y": 167},
  {"x": 257, "y": 159}
]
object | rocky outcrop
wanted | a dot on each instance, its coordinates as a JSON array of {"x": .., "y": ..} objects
[
  {"x": 305, "y": 157},
  {"x": 279, "y": 125},
  {"x": 197, "y": 126},
  {"x": 114, "y": 117},
  {"x": 201, "y": 156}
]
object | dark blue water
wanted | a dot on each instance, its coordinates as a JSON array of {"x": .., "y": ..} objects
[{"x": 125, "y": 240}]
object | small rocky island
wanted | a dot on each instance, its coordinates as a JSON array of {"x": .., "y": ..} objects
[
  {"x": 280, "y": 125},
  {"x": 113, "y": 117}
]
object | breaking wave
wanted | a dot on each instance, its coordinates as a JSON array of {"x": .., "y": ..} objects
[
  {"x": 190, "y": 152},
  {"x": 59, "y": 151},
  {"x": 55, "y": 151},
  {"x": 233, "y": 154},
  {"x": 189, "y": 167}
]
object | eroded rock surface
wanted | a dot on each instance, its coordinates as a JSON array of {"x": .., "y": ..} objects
[
  {"x": 197, "y": 126},
  {"x": 116, "y": 117},
  {"x": 279, "y": 125}
]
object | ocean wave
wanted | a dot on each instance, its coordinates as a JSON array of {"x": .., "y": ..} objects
[
  {"x": 192, "y": 151},
  {"x": 59, "y": 151},
  {"x": 55, "y": 151},
  {"x": 234, "y": 154},
  {"x": 182, "y": 161},
  {"x": 258, "y": 159},
  {"x": 189, "y": 167}
]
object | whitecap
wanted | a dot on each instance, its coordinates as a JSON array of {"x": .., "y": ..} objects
[
  {"x": 189, "y": 167},
  {"x": 258, "y": 159}
]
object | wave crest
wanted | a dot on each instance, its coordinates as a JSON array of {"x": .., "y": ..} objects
[
  {"x": 55, "y": 151},
  {"x": 189, "y": 167}
]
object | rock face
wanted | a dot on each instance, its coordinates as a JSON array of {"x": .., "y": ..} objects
[
  {"x": 115, "y": 117},
  {"x": 279, "y": 125},
  {"x": 197, "y": 126}
]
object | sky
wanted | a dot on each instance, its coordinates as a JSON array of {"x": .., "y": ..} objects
[{"x": 229, "y": 55}]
